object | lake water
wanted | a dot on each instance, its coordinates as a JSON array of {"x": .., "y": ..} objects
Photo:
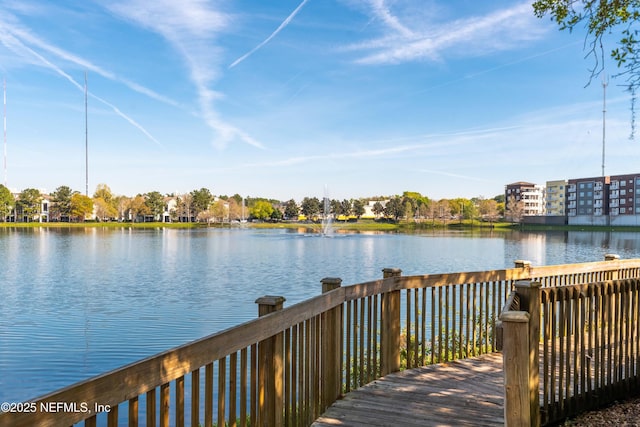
[{"x": 78, "y": 302}]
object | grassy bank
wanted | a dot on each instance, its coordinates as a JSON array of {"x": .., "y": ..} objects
[{"x": 360, "y": 226}]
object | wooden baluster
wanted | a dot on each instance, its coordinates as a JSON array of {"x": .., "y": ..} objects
[{"x": 180, "y": 402}]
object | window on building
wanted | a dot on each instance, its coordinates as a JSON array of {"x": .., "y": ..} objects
[
  {"x": 623, "y": 183},
  {"x": 623, "y": 210},
  {"x": 623, "y": 192}
]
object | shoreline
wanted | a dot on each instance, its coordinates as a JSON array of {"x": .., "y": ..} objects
[{"x": 363, "y": 225}]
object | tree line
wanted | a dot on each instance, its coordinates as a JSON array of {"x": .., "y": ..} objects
[{"x": 67, "y": 205}]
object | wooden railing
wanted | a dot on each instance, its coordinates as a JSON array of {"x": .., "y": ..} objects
[
  {"x": 287, "y": 366},
  {"x": 572, "y": 347}
]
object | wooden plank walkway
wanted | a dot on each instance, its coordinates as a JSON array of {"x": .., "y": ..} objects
[{"x": 466, "y": 392}]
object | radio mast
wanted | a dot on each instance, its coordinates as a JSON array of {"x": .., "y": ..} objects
[
  {"x": 604, "y": 111},
  {"x": 4, "y": 87},
  {"x": 86, "y": 139}
]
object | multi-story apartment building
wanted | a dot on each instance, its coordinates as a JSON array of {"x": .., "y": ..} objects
[
  {"x": 587, "y": 201},
  {"x": 624, "y": 199},
  {"x": 555, "y": 197},
  {"x": 606, "y": 200},
  {"x": 531, "y": 195}
]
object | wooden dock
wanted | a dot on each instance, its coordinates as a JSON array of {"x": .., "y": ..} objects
[{"x": 466, "y": 392}]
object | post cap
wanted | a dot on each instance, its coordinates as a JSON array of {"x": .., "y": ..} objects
[
  {"x": 271, "y": 300},
  {"x": 391, "y": 272}
]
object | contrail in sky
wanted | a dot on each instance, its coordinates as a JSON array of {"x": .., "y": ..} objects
[
  {"x": 13, "y": 43},
  {"x": 268, "y": 39}
]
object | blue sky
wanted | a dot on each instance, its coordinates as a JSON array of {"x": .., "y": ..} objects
[{"x": 282, "y": 99}]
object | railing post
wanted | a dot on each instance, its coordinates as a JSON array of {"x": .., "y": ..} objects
[
  {"x": 390, "y": 326},
  {"x": 529, "y": 293},
  {"x": 613, "y": 257},
  {"x": 525, "y": 266},
  {"x": 270, "y": 368},
  {"x": 331, "y": 347},
  {"x": 515, "y": 360}
]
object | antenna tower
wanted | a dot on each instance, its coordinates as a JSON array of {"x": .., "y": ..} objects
[
  {"x": 86, "y": 138},
  {"x": 605, "y": 82},
  {"x": 4, "y": 87}
]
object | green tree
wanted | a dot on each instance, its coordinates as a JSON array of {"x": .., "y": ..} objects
[
  {"x": 30, "y": 203},
  {"x": 200, "y": 201},
  {"x": 155, "y": 202},
  {"x": 104, "y": 211},
  {"x": 334, "y": 207},
  {"x": 81, "y": 206},
  {"x": 276, "y": 215},
  {"x": 462, "y": 208},
  {"x": 394, "y": 208},
  {"x": 358, "y": 208},
  {"x": 261, "y": 210},
  {"x": 291, "y": 209},
  {"x": 61, "y": 209},
  {"x": 220, "y": 210},
  {"x": 378, "y": 209},
  {"x": 409, "y": 209},
  {"x": 346, "y": 208},
  {"x": 138, "y": 207},
  {"x": 310, "y": 207},
  {"x": 602, "y": 18},
  {"x": 104, "y": 192},
  {"x": 7, "y": 203}
]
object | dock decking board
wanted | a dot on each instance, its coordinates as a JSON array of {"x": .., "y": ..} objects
[{"x": 464, "y": 392}]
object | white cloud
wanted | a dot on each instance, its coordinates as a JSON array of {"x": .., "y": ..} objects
[
  {"x": 17, "y": 46},
  {"x": 191, "y": 27},
  {"x": 11, "y": 30},
  {"x": 469, "y": 36}
]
